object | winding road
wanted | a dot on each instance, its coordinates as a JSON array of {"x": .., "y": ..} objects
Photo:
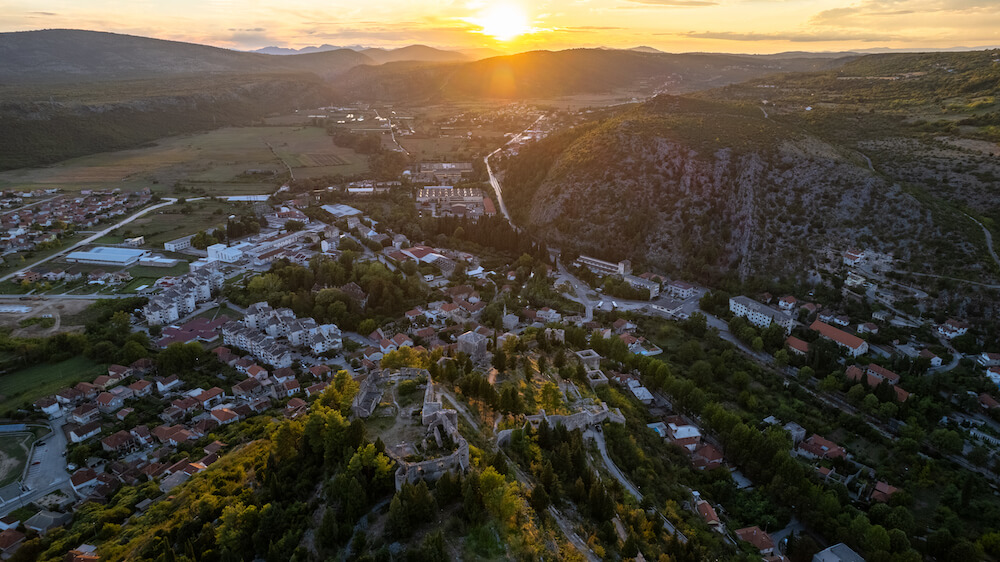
[
  {"x": 989, "y": 239},
  {"x": 598, "y": 437},
  {"x": 92, "y": 237},
  {"x": 493, "y": 178}
]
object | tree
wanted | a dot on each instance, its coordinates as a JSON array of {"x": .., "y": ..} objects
[
  {"x": 781, "y": 358},
  {"x": 500, "y": 360},
  {"x": 830, "y": 384},
  {"x": 856, "y": 393},
  {"x": 539, "y": 499},
  {"x": 696, "y": 324},
  {"x": 946, "y": 441},
  {"x": 367, "y": 326}
]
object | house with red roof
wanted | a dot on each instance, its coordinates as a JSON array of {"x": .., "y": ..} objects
[
  {"x": 816, "y": 447},
  {"x": 708, "y": 515},
  {"x": 854, "y": 345},
  {"x": 882, "y": 373},
  {"x": 988, "y": 402},
  {"x": 315, "y": 389},
  {"x": 320, "y": 371},
  {"x": 707, "y": 457},
  {"x": 797, "y": 346},
  {"x": 953, "y": 328},
  {"x": 224, "y": 416},
  {"x": 882, "y": 492},
  {"x": 109, "y": 403},
  {"x": 758, "y": 538}
]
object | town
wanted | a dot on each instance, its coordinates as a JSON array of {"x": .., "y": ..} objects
[{"x": 435, "y": 340}]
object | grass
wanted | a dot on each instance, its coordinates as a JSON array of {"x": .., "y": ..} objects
[
  {"x": 219, "y": 312},
  {"x": 173, "y": 222},
  {"x": 157, "y": 272},
  {"x": 15, "y": 446},
  {"x": 137, "y": 282},
  {"x": 24, "y": 386},
  {"x": 211, "y": 163},
  {"x": 311, "y": 153}
]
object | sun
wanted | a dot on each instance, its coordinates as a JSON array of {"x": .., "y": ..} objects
[{"x": 504, "y": 22}]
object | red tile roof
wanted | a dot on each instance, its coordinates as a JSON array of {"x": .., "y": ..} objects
[{"x": 836, "y": 335}]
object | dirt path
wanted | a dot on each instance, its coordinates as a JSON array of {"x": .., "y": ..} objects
[{"x": 989, "y": 240}]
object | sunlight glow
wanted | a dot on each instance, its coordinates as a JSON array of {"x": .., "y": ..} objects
[{"x": 503, "y": 22}]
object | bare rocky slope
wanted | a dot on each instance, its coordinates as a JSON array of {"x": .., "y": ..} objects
[{"x": 708, "y": 189}]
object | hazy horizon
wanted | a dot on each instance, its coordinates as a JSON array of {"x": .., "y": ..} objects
[{"x": 731, "y": 26}]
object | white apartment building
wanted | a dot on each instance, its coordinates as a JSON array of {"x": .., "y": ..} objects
[
  {"x": 758, "y": 314},
  {"x": 602, "y": 267},
  {"x": 182, "y": 298}
]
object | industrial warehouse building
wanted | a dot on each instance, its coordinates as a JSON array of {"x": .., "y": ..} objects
[{"x": 107, "y": 255}]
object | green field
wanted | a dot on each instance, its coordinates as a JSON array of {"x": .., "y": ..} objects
[
  {"x": 14, "y": 455},
  {"x": 179, "y": 220},
  {"x": 24, "y": 386},
  {"x": 311, "y": 153},
  {"x": 212, "y": 163},
  {"x": 220, "y": 312}
]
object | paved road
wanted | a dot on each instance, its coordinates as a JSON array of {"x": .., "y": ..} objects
[
  {"x": 493, "y": 178},
  {"x": 393, "y": 133},
  {"x": 47, "y": 476},
  {"x": 64, "y": 296},
  {"x": 598, "y": 437},
  {"x": 91, "y": 238}
]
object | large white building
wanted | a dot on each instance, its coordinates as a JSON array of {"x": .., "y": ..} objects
[
  {"x": 602, "y": 267},
  {"x": 223, "y": 253},
  {"x": 639, "y": 283},
  {"x": 179, "y": 244},
  {"x": 760, "y": 315},
  {"x": 275, "y": 323},
  {"x": 182, "y": 297},
  {"x": 107, "y": 255},
  {"x": 262, "y": 346}
]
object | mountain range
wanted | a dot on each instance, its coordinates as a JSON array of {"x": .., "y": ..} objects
[{"x": 421, "y": 53}]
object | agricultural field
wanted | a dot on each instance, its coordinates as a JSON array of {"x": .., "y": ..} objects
[
  {"x": 228, "y": 161},
  {"x": 24, "y": 386},
  {"x": 310, "y": 152}
]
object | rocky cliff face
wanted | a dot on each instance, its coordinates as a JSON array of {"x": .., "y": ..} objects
[{"x": 707, "y": 193}]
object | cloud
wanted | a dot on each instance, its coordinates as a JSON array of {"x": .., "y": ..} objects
[
  {"x": 673, "y": 3},
  {"x": 861, "y": 15},
  {"x": 586, "y": 29},
  {"x": 43, "y": 13},
  {"x": 793, "y": 37},
  {"x": 251, "y": 30}
]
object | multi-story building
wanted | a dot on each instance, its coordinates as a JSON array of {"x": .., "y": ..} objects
[
  {"x": 760, "y": 315},
  {"x": 263, "y": 325},
  {"x": 182, "y": 296},
  {"x": 639, "y": 283},
  {"x": 602, "y": 267}
]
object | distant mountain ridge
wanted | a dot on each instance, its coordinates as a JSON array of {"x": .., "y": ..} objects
[
  {"x": 539, "y": 74},
  {"x": 72, "y": 55},
  {"x": 380, "y": 55}
]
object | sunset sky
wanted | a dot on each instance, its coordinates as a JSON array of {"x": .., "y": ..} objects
[{"x": 755, "y": 26}]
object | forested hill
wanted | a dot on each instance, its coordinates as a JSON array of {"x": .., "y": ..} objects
[
  {"x": 98, "y": 117},
  {"x": 568, "y": 72},
  {"x": 72, "y": 55}
]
